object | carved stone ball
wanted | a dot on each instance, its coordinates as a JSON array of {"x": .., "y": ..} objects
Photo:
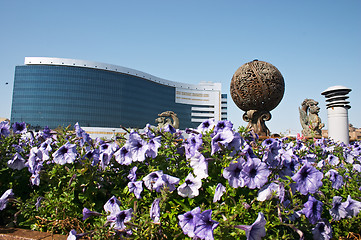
[{"x": 257, "y": 85}]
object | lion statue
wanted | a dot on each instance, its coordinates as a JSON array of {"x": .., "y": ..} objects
[
  {"x": 310, "y": 121},
  {"x": 166, "y": 118}
]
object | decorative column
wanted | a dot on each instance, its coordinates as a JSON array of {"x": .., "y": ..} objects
[{"x": 337, "y": 113}]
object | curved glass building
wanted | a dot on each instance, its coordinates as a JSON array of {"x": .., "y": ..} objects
[{"x": 59, "y": 92}]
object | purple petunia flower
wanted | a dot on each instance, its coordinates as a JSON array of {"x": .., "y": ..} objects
[
  {"x": 333, "y": 160},
  {"x": 308, "y": 179},
  {"x": 38, "y": 202},
  {"x": 8, "y": 194},
  {"x": 65, "y": 154},
  {"x": 255, "y": 173},
  {"x": 192, "y": 144},
  {"x": 152, "y": 178},
  {"x": 206, "y": 125},
  {"x": 312, "y": 209},
  {"x": 87, "y": 213},
  {"x": 169, "y": 128},
  {"x": 19, "y": 128},
  {"x": 136, "y": 188},
  {"x": 190, "y": 187},
  {"x": 132, "y": 176},
  {"x": 204, "y": 225},
  {"x": 200, "y": 165},
  {"x": 187, "y": 221},
  {"x": 322, "y": 231},
  {"x": 233, "y": 173},
  {"x": 166, "y": 181},
  {"x": 267, "y": 192},
  {"x": 356, "y": 167},
  {"x": 223, "y": 125},
  {"x": 112, "y": 206},
  {"x": 4, "y": 129},
  {"x": 137, "y": 147},
  {"x": 17, "y": 162},
  {"x": 153, "y": 146},
  {"x": 222, "y": 138},
  {"x": 46, "y": 132},
  {"x": 352, "y": 207},
  {"x": 220, "y": 189},
  {"x": 93, "y": 155},
  {"x": 118, "y": 220},
  {"x": 338, "y": 210},
  {"x": 155, "y": 211},
  {"x": 335, "y": 178},
  {"x": 123, "y": 156},
  {"x": 106, "y": 152},
  {"x": 255, "y": 231},
  {"x": 80, "y": 133}
]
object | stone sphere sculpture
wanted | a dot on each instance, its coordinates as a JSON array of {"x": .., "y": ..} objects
[{"x": 257, "y": 88}]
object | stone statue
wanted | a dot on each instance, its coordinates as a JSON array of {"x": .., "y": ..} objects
[
  {"x": 310, "y": 121},
  {"x": 166, "y": 118}
]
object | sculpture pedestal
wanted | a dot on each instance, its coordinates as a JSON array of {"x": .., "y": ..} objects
[{"x": 256, "y": 121}]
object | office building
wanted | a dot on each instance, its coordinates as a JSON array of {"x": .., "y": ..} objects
[{"x": 59, "y": 92}]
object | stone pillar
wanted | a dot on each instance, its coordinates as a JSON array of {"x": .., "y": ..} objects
[{"x": 337, "y": 113}]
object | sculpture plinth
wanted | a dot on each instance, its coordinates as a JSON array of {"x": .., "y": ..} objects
[{"x": 257, "y": 88}]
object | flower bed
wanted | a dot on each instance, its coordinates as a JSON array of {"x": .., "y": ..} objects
[{"x": 208, "y": 183}]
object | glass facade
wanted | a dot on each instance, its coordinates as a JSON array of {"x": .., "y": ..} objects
[{"x": 51, "y": 95}]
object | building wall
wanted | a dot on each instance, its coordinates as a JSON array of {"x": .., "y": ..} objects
[{"x": 54, "y": 91}]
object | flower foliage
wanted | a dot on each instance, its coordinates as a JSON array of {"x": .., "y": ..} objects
[{"x": 212, "y": 182}]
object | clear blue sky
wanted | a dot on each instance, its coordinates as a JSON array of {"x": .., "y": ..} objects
[{"x": 315, "y": 44}]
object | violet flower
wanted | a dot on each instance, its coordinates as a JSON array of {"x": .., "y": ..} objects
[
  {"x": 38, "y": 202},
  {"x": 352, "y": 207},
  {"x": 333, "y": 160},
  {"x": 267, "y": 192},
  {"x": 223, "y": 125},
  {"x": 308, "y": 179},
  {"x": 8, "y": 194},
  {"x": 204, "y": 225},
  {"x": 137, "y": 147},
  {"x": 255, "y": 231},
  {"x": 338, "y": 210},
  {"x": 335, "y": 178},
  {"x": 190, "y": 187},
  {"x": 192, "y": 144},
  {"x": 233, "y": 173},
  {"x": 136, "y": 188},
  {"x": 19, "y": 128},
  {"x": 123, "y": 155},
  {"x": 112, "y": 206},
  {"x": 255, "y": 173},
  {"x": 151, "y": 179},
  {"x": 132, "y": 176},
  {"x": 200, "y": 165},
  {"x": 222, "y": 138},
  {"x": 87, "y": 213},
  {"x": 166, "y": 181},
  {"x": 80, "y": 133},
  {"x": 93, "y": 155},
  {"x": 155, "y": 211},
  {"x": 17, "y": 162},
  {"x": 312, "y": 209},
  {"x": 220, "y": 189},
  {"x": 322, "y": 231},
  {"x": 187, "y": 221},
  {"x": 118, "y": 220},
  {"x": 65, "y": 154},
  {"x": 206, "y": 125},
  {"x": 153, "y": 146},
  {"x": 4, "y": 129},
  {"x": 46, "y": 132}
]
